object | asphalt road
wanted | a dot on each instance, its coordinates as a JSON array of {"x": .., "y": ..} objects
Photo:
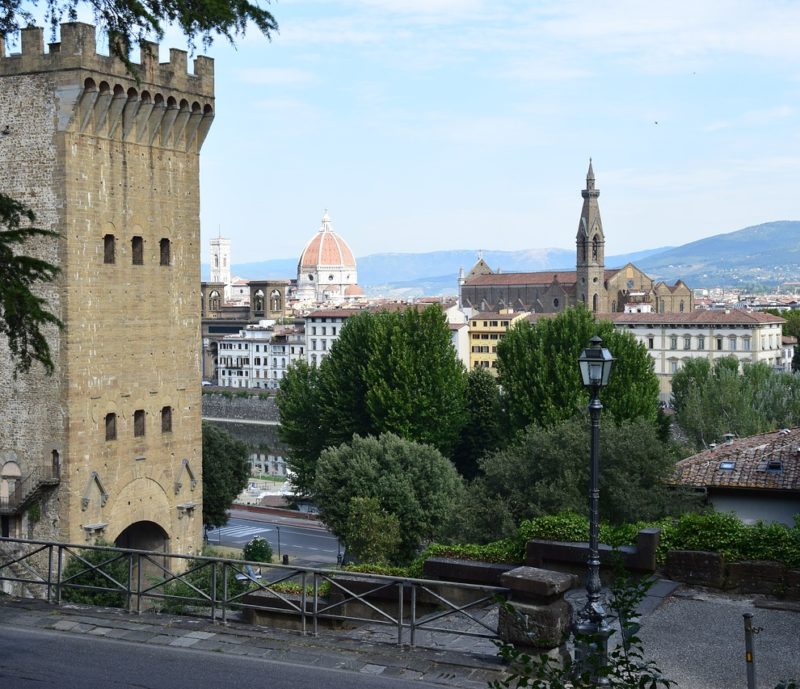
[
  {"x": 309, "y": 543},
  {"x": 42, "y": 659}
]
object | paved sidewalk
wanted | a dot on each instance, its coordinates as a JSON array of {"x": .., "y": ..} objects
[
  {"x": 451, "y": 665},
  {"x": 696, "y": 637}
]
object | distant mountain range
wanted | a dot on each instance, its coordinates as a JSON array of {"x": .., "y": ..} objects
[{"x": 763, "y": 255}]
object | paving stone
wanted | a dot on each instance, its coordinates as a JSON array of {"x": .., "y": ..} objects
[
  {"x": 200, "y": 635},
  {"x": 370, "y": 669},
  {"x": 183, "y": 641}
]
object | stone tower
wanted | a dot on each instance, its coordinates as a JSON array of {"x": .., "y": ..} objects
[
  {"x": 590, "y": 247},
  {"x": 221, "y": 263},
  {"x": 110, "y": 445}
]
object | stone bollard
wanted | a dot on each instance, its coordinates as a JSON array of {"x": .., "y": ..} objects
[{"x": 541, "y": 617}]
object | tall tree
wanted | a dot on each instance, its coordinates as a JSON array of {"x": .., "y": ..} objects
[
  {"x": 411, "y": 481},
  {"x": 23, "y": 314},
  {"x": 538, "y": 371},
  {"x": 546, "y": 470},
  {"x": 416, "y": 382},
  {"x": 388, "y": 372},
  {"x": 711, "y": 401},
  {"x": 483, "y": 426},
  {"x": 298, "y": 401},
  {"x": 226, "y": 468}
]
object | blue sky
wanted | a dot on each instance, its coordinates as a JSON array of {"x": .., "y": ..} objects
[{"x": 433, "y": 124}]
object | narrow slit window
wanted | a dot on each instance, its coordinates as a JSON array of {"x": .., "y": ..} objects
[
  {"x": 109, "y": 248},
  {"x": 164, "y": 247},
  {"x": 138, "y": 423},
  {"x": 137, "y": 251},
  {"x": 166, "y": 419},
  {"x": 111, "y": 426}
]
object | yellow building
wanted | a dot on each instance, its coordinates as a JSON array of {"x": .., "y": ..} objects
[{"x": 486, "y": 329}]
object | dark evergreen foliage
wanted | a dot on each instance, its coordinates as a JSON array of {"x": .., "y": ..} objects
[
  {"x": 23, "y": 314},
  {"x": 226, "y": 468}
]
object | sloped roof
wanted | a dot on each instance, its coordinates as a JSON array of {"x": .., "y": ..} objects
[
  {"x": 769, "y": 461},
  {"x": 697, "y": 317}
]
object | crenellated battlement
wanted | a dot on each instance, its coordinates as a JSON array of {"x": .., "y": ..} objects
[{"x": 77, "y": 50}]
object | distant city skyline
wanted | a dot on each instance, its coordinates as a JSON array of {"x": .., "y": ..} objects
[{"x": 424, "y": 125}]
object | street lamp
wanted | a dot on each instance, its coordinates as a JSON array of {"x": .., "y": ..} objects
[{"x": 590, "y": 624}]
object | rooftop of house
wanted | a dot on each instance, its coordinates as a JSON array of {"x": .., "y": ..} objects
[
  {"x": 769, "y": 461},
  {"x": 697, "y": 317}
]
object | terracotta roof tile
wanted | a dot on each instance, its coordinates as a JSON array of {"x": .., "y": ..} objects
[
  {"x": 769, "y": 461},
  {"x": 697, "y": 317}
]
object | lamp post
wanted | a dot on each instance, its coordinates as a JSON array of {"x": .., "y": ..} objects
[{"x": 591, "y": 626}]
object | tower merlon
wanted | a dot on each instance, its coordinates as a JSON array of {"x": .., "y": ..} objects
[{"x": 77, "y": 50}]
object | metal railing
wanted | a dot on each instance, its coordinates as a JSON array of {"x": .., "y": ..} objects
[{"x": 139, "y": 580}]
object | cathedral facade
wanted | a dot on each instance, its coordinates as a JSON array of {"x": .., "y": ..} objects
[{"x": 600, "y": 289}]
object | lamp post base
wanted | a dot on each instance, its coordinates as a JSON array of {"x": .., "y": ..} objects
[{"x": 591, "y": 650}]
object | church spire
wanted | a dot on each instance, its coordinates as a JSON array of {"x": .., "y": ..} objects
[{"x": 590, "y": 190}]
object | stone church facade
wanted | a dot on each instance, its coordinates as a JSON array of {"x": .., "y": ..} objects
[
  {"x": 110, "y": 445},
  {"x": 600, "y": 289}
]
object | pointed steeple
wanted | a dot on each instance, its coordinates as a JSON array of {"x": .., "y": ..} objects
[{"x": 590, "y": 190}]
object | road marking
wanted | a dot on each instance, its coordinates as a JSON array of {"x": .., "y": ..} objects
[{"x": 237, "y": 531}]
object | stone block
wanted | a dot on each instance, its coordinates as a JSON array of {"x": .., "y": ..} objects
[
  {"x": 757, "y": 576},
  {"x": 535, "y": 625},
  {"x": 536, "y": 584},
  {"x": 792, "y": 584},
  {"x": 467, "y": 571},
  {"x": 696, "y": 567}
]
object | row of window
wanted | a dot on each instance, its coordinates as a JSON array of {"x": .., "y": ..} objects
[
  {"x": 139, "y": 417},
  {"x": 323, "y": 330},
  {"x": 487, "y": 336},
  {"x": 485, "y": 364},
  {"x": 491, "y": 324},
  {"x": 483, "y": 349},
  {"x": 137, "y": 250},
  {"x": 717, "y": 343},
  {"x": 323, "y": 345}
]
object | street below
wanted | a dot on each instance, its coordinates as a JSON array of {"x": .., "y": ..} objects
[
  {"x": 35, "y": 659},
  {"x": 304, "y": 541}
]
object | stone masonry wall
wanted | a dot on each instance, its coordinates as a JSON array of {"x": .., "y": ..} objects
[
  {"x": 118, "y": 157},
  {"x": 32, "y": 405}
]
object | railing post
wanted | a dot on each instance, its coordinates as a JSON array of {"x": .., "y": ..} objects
[
  {"x": 303, "y": 600},
  {"x": 214, "y": 591},
  {"x": 225, "y": 592},
  {"x": 129, "y": 605},
  {"x": 400, "y": 613},
  {"x": 138, "y": 584},
  {"x": 316, "y": 603},
  {"x": 49, "y": 573},
  {"x": 59, "y": 569},
  {"x": 413, "y": 629}
]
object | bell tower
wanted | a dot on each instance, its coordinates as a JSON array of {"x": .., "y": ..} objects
[{"x": 590, "y": 249}]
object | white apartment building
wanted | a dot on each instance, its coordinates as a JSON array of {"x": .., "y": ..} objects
[
  {"x": 322, "y": 330},
  {"x": 259, "y": 355},
  {"x": 242, "y": 359},
  {"x": 674, "y": 338}
]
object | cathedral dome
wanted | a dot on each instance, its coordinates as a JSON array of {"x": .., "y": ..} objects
[
  {"x": 326, "y": 249},
  {"x": 327, "y": 269}
]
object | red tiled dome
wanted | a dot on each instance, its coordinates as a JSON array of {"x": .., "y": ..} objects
[{"x": 326, "y": 249}]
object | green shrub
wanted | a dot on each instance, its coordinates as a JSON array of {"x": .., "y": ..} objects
[
  {"x": 191, "y": 590},
  {"x": 258, "y": 550},
  {"x": 98, "y": 570}
]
